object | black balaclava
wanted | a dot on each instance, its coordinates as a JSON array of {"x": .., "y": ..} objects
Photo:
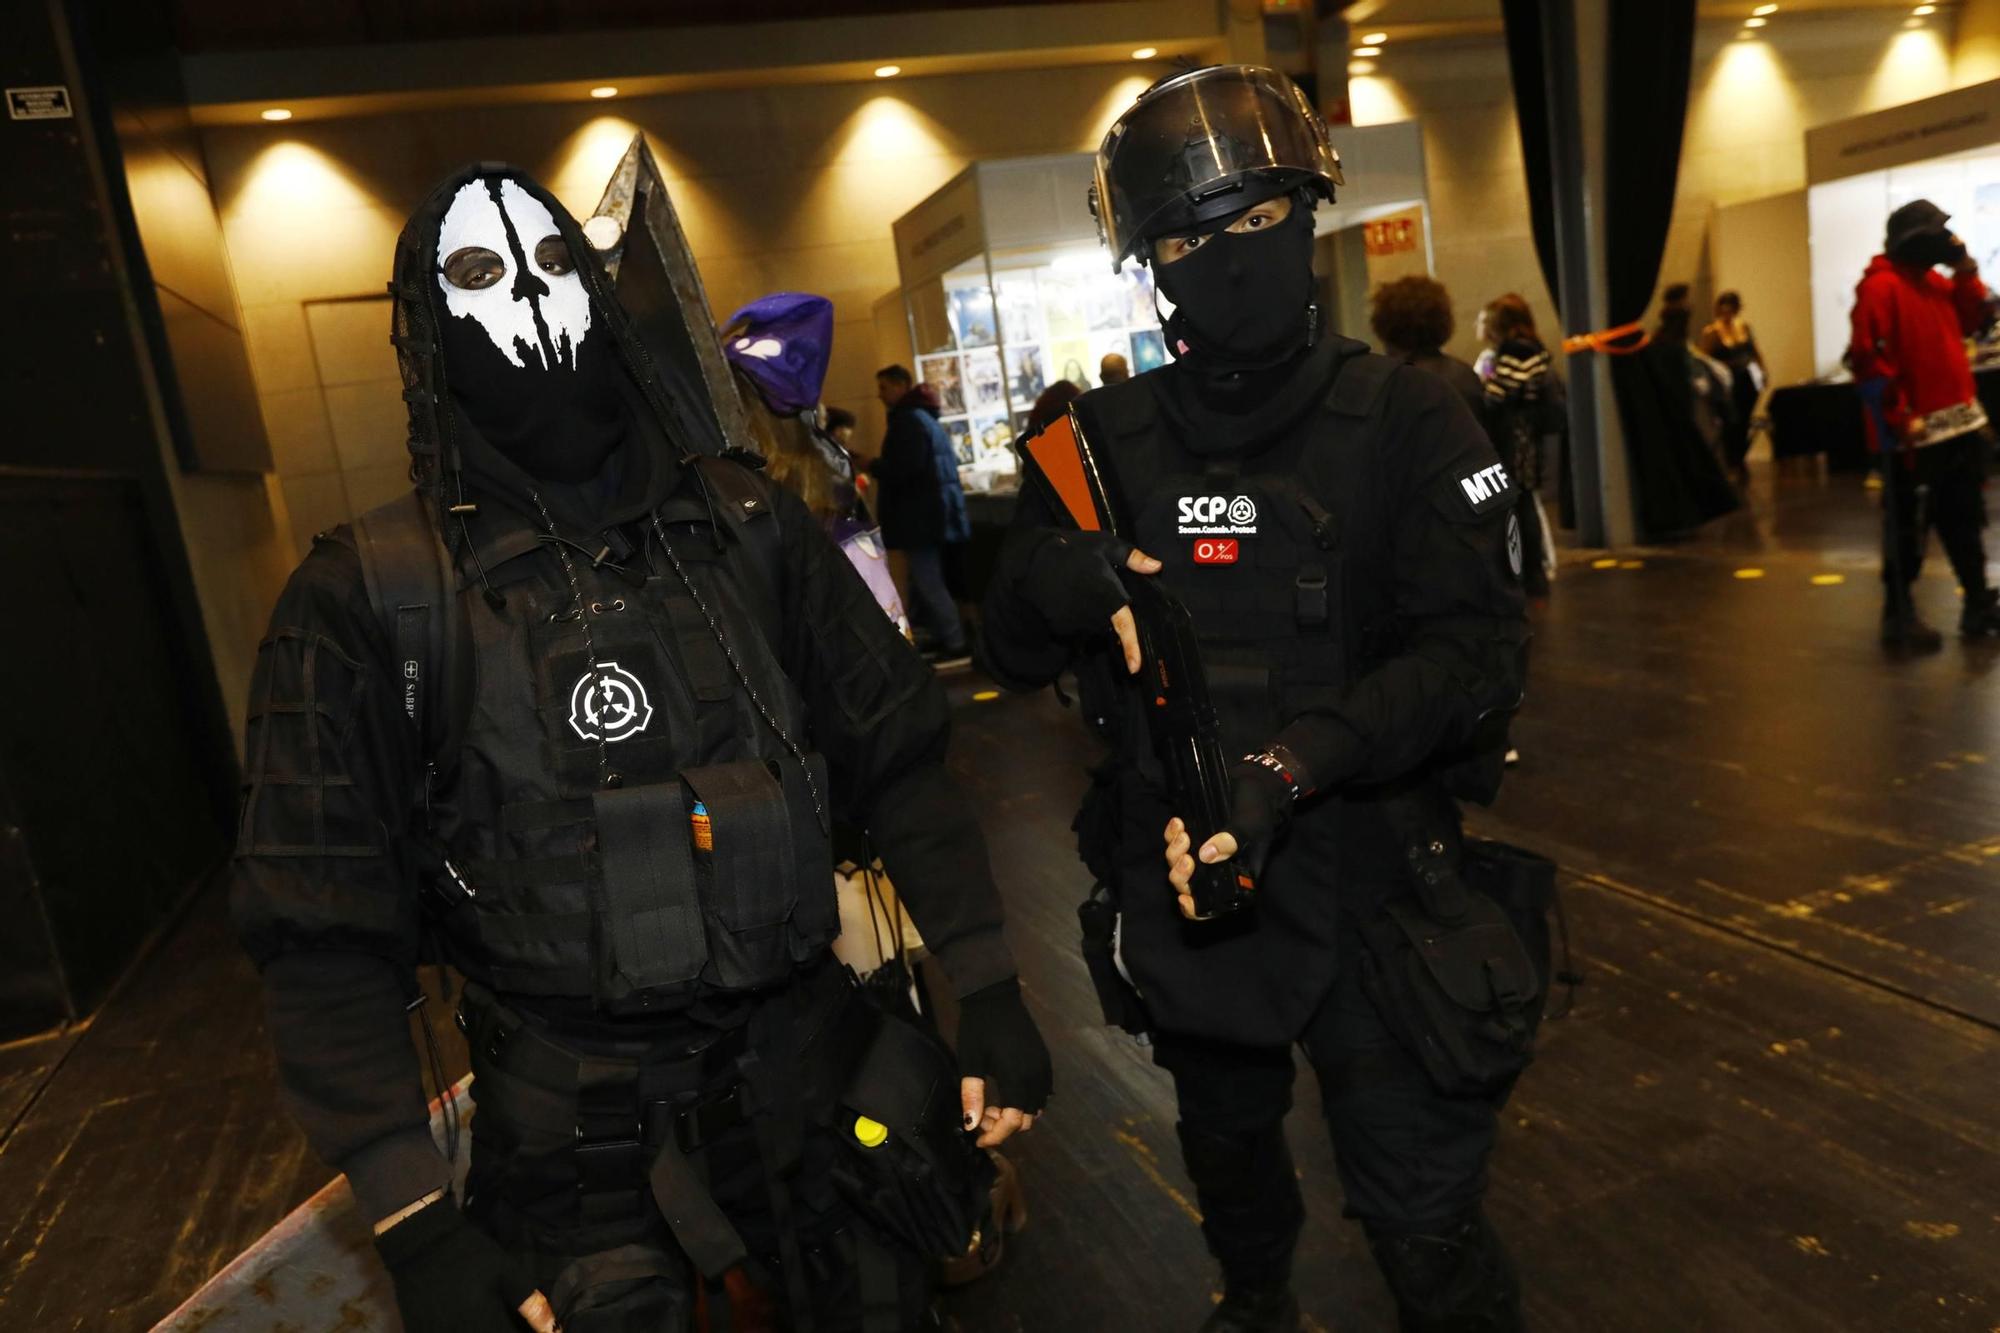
[
  {"x": 520, "y": 353},
  {"x": 1242, "y": 300}
]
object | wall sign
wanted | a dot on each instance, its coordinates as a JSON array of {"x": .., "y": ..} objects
[
  {"x": 38, "y": 103},
  {"x": 1899, "y": 135}
]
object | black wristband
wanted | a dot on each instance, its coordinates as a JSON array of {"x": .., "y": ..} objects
[{"x": 1281, "y": 761}]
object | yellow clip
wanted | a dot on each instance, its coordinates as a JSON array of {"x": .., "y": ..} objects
[{"x": 870, "y": 1133}]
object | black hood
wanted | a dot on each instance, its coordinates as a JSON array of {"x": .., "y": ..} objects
[{"x": 454, "y": 464}]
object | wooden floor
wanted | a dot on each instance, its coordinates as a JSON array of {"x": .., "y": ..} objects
[{"x": 1776, "y": 1105}]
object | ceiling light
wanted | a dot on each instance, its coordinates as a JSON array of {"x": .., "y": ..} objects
[
  {"x": 1360, "y": 67},
  {"x": 887, "y": 71},
  {"x": 1146, "y": 53},
  {"x": 1921, "y": 10},
  {"x": 275, "y": 113},
  {"x": 606, "y": 91},
  {"x": 1374, "y": 38},
  {"x": 1762, "y": 10},
  {"x": 1367, "y": 51},
  {"x": 1745, "y": 35},
  {"x": 1913, "y": 23},
  {"x": 1755, "y": 23}
]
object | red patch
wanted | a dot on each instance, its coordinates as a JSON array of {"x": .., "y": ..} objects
[{"x": 1216, "y": 551}]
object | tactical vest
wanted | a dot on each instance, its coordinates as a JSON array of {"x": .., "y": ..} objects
[
  {"x": 1279, "y": 557},
  {"x": 571, "y": 857}
]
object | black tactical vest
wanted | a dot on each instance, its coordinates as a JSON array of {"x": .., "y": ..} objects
[
  {"x": 1275, "y": 555},
  {"x": 575, "y": 862}
]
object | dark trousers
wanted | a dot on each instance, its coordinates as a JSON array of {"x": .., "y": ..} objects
[
  {"x": 1938, "y": 486},
  {"x": 931, "y": 606},
  {"x": 595, "y": 1240},
  {"x": 1409, "y": 1158}
]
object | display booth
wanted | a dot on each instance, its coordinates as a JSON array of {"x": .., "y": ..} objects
[
  {"x": 1006, "y": 289},
  {"x": 1944, "y": 148}
]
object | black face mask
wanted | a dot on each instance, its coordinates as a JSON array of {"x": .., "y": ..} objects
[
  {"x": 520, "y": 353},
  {"x": 1929, "y": 248},
  {"x": 1242, "y": 298},
  {"x": 559, "y": 424}
]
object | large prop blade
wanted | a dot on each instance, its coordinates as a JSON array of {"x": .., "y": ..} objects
[{"x": 660, "y": 287}]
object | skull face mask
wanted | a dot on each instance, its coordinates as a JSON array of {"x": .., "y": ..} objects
[{"x": 516, "y": 334}]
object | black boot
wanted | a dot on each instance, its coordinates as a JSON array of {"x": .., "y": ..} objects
[
  {"x": 1453, "y": 1278},
  {"x": 1980, "y": 617},
  {"x": 1904, "y": 631},
  {"x": 1249, "y": 1307}
]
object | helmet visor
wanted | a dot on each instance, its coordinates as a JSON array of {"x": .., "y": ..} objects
[{"x": 1201, "y": 147}]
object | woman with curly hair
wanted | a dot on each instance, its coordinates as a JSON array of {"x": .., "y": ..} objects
[{"x": 1412, "y": 318}]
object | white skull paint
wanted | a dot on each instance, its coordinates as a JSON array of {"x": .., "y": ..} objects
[
  {"x": 761, "y": 348},
  {"x": 526, "y": 295}
]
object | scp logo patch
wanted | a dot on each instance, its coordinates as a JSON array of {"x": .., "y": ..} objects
[
  {"x": 1216, "y": 551},
  {"x": 608, "y": 703},
  {"x": 1216, "y": 516}
]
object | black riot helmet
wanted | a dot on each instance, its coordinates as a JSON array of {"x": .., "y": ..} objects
[{"x": 1203, "y": 146}]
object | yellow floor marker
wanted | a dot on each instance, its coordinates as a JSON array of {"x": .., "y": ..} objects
[
  {"x": 985, "y": 696},
  {"x": 1749, "y": 573},
  {"x": 1828, "y": 580},
  {"x": 1631, "y": 564},
  {"x": 1609, "y": 562}
]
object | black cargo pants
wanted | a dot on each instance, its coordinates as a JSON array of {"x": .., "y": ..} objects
[
  {"x": 1943, "y": 487},
  {"x": 564, "y": 1141},
  {"x": 1410, "y": 1159}
]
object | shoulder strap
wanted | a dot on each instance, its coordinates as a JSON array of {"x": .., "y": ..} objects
[
  {"x": 413, "y": 591},
  {"x": 1359, "y": 383},
  {"x": 744, "y": 500}
]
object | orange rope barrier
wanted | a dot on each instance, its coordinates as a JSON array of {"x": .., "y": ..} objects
[{"x": 1608, "y": 341}]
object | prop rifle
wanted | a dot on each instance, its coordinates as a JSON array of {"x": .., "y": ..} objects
[{"x": 1179, "y": 717}]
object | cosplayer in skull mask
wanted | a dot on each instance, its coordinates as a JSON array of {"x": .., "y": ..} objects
[
  {"x": 606, "y": 820},
  {"x": 1343, "y": 539}
]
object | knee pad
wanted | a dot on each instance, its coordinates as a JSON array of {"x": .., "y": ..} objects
[{"x": 1454, "y": 1278}]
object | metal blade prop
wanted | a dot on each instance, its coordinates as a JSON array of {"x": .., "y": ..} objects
[{"x": 660, "y": 287}]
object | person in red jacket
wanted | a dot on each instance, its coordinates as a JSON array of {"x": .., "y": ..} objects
[{"x": 1910, "y": 323}]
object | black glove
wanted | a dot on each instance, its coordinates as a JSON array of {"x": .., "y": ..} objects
[
  {"x": 1262, "y": 791},
  {"x": 999, "y": 1043},
  {"x": 1072, "y": 579},
  {"x": 450, "y": 1276}
]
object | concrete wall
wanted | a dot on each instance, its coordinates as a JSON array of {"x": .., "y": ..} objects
[{"x": 778, "y": 188}]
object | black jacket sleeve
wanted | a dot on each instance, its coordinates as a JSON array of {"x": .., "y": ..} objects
[
  {"x": 318, "y": 896},
  {"x": 906, "y": 451},
  {"x": 1016, "y": 646},
  {"x": 881, "y": 719},
  {"x": 1458, "y": 605}
]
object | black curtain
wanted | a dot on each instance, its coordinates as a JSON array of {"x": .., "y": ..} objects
[
  {"x": 1527, "y": 64},
  {"x": 1678, "y": 483}
]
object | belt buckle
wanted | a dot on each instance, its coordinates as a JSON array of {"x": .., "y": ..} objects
[{"x": 698, "y": 1125}]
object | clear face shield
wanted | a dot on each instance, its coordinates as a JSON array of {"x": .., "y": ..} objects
[{"x": 1203, "y": 146}]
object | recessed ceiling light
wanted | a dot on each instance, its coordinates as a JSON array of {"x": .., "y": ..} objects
[
  {"x": 606, "y": 91},
  {"x": 1360, "y": 67},
  {"x": 1762, "y": 10},
  {"x": 1374, "y": 38},
  {"x": 1924, "y": 9},
  {"x": 1745, "y": 35},
  {"x": 1913, "y": 23},
  {"x": 1146, "y": 53},
  {"x": 1755, "y": 23},
  {"x": 275, "y": 113},
  {"x": 1367, "y": 50},
  {"x": 887, "y": 71}
]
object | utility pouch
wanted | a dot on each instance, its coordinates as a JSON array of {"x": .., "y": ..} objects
[
  {"x": 1458, "y": 967},
  {"x": 650, "y": 934},
  {"x": 906, "y": 1163},
  {"x": 769, "y": 872},
  {"x": 1098, "y": 915}
]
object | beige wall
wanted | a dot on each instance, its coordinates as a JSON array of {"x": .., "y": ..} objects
[
  {"x": 233, "y": 525},
  {"x": 1750, "y": 103},
  {"x": 778, "y": 188}
]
